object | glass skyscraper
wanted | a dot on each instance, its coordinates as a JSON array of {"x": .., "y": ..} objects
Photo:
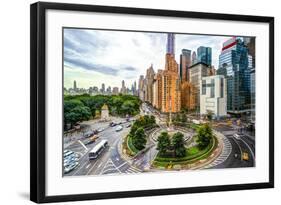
[
  {"x": 204, "y": 55},
  {"x": 235, "y": 65},
  {"x": 171, "y": 43},
  {"x": 185, "y": 63}
]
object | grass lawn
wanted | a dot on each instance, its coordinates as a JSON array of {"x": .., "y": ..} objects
[
  {"x": 193, "y": 154},
  {"x": 133, "y": 150},
  {"x": 192, "y": 150}
]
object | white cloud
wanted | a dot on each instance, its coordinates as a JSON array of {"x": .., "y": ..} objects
[{"x": 112, "y": 56}]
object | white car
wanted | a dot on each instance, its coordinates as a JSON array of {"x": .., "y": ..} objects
[
  {"x": 67, "y": 153},
  {"x": 100, "y": 129},
  {"x": 118, "y": 128},
  {"x": 237, "y": 136},
  {"x": 70, "y": 167}
]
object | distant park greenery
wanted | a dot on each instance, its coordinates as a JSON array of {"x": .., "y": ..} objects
[
  {"x": 84, "y": 107},
  {"x": 172, "y": 150},
  {"x": 136, "y": 139}
]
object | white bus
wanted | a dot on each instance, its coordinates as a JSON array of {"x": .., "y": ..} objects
[{"x": 95, "y": 152}]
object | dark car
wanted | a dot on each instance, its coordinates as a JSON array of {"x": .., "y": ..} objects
[
  {"x": 88, "y": 134},
  {"x": 88, "y": 141},
  {"x": 112, "y": 124}
]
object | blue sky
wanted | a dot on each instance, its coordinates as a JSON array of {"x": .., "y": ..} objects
[{"x": 93, "y": 57}]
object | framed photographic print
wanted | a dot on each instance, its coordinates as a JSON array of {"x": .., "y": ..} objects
[{"x": 129, "y": 102}]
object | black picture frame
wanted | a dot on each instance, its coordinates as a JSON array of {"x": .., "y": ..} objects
[{"x": 38, "y": 100}]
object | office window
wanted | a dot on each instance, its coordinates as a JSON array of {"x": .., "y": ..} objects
[
  {"x": 203, "y": 87},
  {"x": 221, "y": 87},
  {"x": 212, "y": 88}
]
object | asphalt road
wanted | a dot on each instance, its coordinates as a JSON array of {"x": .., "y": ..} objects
[
  {"x": 109, "y": 161},
  {"x": 245, "y": 144}
]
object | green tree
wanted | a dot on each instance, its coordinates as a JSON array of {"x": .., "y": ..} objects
[
  {"x": 78, "y": 113},
  {"x": 70, "y": 104},
  {"x": 163, "y": 143},
  {"x": 128, "y": 107},
  {"x": 139, "y": 139},
  {"x": 178, "y": 145},
  {"x": 204, "y": 135},
  {"x": 176, "y": 118},
  {"x": 183, "y": 117}
]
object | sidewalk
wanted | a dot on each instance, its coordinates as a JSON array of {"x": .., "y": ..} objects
[{"x": 123, "y": 155}]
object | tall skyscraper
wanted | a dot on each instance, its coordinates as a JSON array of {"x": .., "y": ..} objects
[
  {"x": 141, "y": 88},
  {"x": 171, "y": 44},
  {"x": 234, "y": 64},
  {"x": 197, "y": 72},
  {"x": 102, "y": 88},
  {"x": 171, "y": 101},
  {"x": 149, "y": 84},
  {"x": 194, "y": 58},
  {"x": 115, "y": 90},
  {"x": 250, "y": 42},
  {"x": 185, "y": 63},
  {"x": 204, "y": 55},
  {"x": 108, "y": 90},
  {"x": 123, "y": 88},
  {"x": 188, "y": 96},
  {"x": 74, "y": 85},
  {"x": 157, "y": 90},
  {"x": 135, "y": 88}
]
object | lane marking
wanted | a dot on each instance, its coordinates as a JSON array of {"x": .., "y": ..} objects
[
  {"x": 122, "y": 165},
  {"x": 83, "y": 145},
  {"x": 238, "y": 146},
  {"x": 81, "y": 166},
  {"x": 110, "y": 170},
  {"x": 92, "y": 168}
]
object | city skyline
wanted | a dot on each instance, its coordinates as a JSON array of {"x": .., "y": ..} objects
[
  {"x": 184, "y": 115},
  {"x": 92, "y": 56}
]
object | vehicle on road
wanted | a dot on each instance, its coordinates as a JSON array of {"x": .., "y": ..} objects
[
  {"x": 237, "y": 136},
  {"x": 88, "y": 141},
  {"x": 112, "y": 124},
  {"x": 91, "y": 140},
  {"x": 97, "y": 150},
  {"x": 70, "y": 160},
  {"x": 119, "y": 128},
  {"x": 70, "y": 167},
  {"x": 77, "y": 126},
  {"x": 245, "y": 156},
  {"x": 88, "y": 134},
  {"x": 67, "y": 153},
  {"x": 128, "y": 125},
  {"x": 100, "y": 130}
]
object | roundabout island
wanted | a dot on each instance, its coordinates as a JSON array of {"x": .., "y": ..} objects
[
  {"x": 184, "y": 150},
  {"x": 168, "y": 147}
]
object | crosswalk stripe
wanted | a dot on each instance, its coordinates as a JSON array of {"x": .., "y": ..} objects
[{"x": 227, "y": 148}]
